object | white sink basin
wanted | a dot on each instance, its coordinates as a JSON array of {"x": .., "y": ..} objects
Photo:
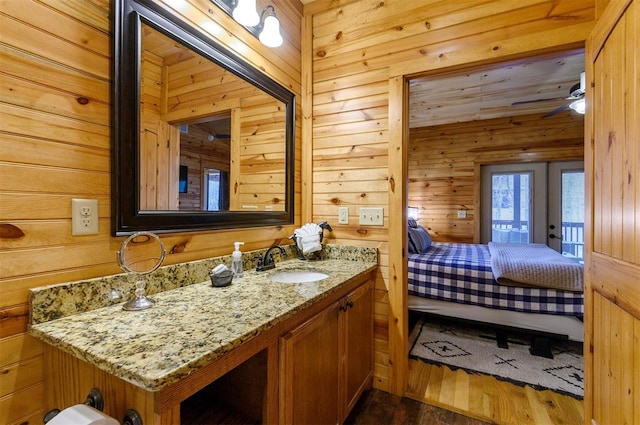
[{"x": 297, "y": 276}]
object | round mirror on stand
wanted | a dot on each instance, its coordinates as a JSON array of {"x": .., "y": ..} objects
[{"x": 141, "y": 253}]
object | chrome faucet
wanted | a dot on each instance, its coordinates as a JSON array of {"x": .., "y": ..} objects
[{"x": 266, "y": 262}]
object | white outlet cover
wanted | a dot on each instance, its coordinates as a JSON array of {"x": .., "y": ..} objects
[{"x": 84, "y": 217}]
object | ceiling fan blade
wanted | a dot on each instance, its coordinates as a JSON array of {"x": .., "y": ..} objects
[
  {"x": 555, "y": 111},
  {"x": 524, "y": 102}
]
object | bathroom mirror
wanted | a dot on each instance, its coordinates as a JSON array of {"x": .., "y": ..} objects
[{"x": 202, "y": 140}]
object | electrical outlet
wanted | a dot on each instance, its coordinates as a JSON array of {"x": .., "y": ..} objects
[
  {"x": 462, "y": 214},
  {"x": 371, "y": 216},
  {"x": 343, "y": 215},
  {"x": 84, "y": 216}
]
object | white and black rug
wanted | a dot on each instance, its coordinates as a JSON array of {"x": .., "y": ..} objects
[{"x": 465, "y": 347}]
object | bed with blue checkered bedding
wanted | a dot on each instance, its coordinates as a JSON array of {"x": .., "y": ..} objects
[{"x": 462, "y": 273}]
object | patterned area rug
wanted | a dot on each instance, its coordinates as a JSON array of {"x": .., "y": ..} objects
[{"x": 476, "y": 351}]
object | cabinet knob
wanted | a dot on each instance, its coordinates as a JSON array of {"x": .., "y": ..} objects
[{"x": 346, "y": 306}]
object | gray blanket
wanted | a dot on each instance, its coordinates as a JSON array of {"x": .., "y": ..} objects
[{"x": 534, "y": 265}]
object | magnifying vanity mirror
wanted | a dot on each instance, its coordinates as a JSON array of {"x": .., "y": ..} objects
[
  {"x": 141, "y": 254},
  {"x": 202, "y": 140}
]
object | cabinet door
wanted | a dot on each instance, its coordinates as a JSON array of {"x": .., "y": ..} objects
[
  {"x": 310, "y": 371},
  {"x": 357, "y": 338}
]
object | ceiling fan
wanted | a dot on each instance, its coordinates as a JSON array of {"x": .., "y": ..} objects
[
  {"x": 576, "y": 99},
  {"x": 212, "y": 136}
]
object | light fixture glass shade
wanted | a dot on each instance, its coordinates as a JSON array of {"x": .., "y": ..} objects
[
  {"x": 245, "y": 13},
  {"x": 412, "y": 212},
  {"x": 270, "y": 35},
  {"x": 578, "y": 106}
]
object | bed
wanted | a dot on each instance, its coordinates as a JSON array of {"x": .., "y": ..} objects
[{"x": 457, "y": 280}]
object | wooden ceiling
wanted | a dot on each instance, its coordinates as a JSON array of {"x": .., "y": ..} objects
[{"x": 489, "y": 91}]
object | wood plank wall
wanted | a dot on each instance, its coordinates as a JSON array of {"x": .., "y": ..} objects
[
  {"x": 444, "y": 163},
  {"x": 55, "y": 145},
  {"x": 353, "y": 51}
]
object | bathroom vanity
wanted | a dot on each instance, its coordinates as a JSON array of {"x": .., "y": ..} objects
[{"x": 259, "y": 351}]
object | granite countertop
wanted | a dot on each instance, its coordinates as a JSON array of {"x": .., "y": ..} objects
[{"x": 190, "y": 326}]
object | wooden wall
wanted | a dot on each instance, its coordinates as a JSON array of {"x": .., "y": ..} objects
[
  {"x": 55, "y": 145},
  {"x": 355, "y": 56},
  {"x": 159, "y": 165},
  {"x": 444, "y": 163}
]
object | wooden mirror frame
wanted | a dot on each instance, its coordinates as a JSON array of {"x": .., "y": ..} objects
[{"x": 127, "y": 217}]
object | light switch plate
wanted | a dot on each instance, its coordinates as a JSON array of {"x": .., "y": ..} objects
[
  {"x": 462, "y": 214},
  {"x": 372, "y": 216},
  {"x": 343, "y": 215}
]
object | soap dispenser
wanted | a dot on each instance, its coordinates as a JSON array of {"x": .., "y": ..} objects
[{"x": 236, "y": 260}]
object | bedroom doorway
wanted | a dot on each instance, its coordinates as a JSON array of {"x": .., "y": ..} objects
[{"x": 534, "y": 203}]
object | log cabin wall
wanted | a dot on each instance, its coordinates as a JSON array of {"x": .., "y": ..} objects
[
  {"x": 444, "y": 163},
  {"x": 355, "y": 55},
  {"x": 55, "y": 145}
]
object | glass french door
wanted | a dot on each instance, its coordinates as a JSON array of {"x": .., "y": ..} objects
[
  {"x": 513, "y": 203},
  {"x": 566, "y": 218},
  {"x": 534, "y": 202}
]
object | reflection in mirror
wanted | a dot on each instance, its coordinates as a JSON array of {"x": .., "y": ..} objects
[
  {"x": 202, "y": 139},
  {"x": 228, "y": 134}
]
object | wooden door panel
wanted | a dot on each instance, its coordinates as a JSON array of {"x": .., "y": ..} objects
[
  {"x": 612, "y": 273},
  {"x": 616, "y": 343}
]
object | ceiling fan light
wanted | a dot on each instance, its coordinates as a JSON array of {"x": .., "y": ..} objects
[
  {"x": 579, "y": 106},
  {"x": 245, "y": 13},
  {"x": 270, "y": 34}
]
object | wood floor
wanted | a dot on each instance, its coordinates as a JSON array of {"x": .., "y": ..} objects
[
  {"x": 379, "y": 408},
  {"x": 489, "y": 399}
]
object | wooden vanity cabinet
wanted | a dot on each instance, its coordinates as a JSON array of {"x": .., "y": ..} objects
[
  {"x": 310, "y": 368},
  {"x": 327, "y": 362}
]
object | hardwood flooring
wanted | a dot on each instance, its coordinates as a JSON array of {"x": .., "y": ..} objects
[
  {"x": 379, "y": 408},
  {"x": 489, "y": 399}
]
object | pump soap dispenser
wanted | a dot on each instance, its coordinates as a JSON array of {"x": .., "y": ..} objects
[{"x": 236, "y": 260}]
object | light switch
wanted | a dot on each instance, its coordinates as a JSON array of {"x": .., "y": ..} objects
[
  {"x": 372, "y": 216},
  {"x": 343, "y": 215}
]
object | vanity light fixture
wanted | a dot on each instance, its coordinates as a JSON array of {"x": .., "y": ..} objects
[
  {"x": 245, "y": 13},
  {"x": 265, "y": 26},
  {"x": 270, "y": 33}
]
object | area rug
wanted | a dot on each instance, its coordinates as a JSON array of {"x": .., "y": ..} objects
[{"x": 476, "y": 351}]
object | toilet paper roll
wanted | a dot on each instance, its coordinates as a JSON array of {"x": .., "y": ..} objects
[{"x": 81, "y": 414}]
